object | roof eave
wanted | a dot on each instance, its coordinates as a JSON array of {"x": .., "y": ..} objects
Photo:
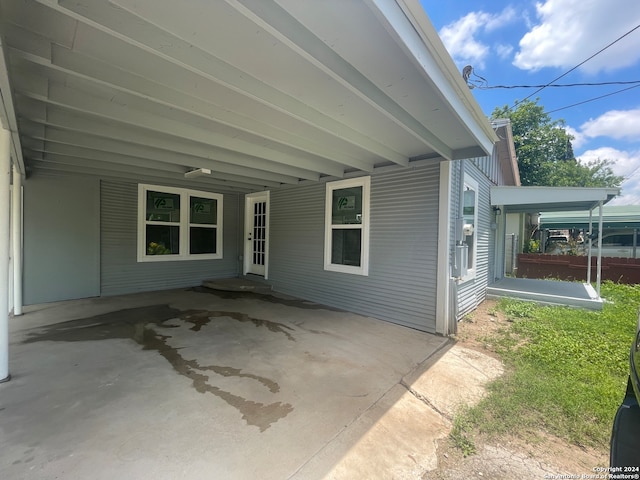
[{"x": 445, "y": 76}]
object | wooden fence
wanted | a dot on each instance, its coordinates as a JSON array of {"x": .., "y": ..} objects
[{"x": 569, "y": 267}]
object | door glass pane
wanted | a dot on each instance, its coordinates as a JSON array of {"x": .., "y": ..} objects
[
  {"x": 346, "y": 206},
  {"x": 346, "y": 246},
  {"x": 202, "y": 240},
  {"x": 203, "y": 210},
  {"x": 162, "y": 240},
  {"x": 163, "y": 207},
  {"x": 259, "y": 232}
]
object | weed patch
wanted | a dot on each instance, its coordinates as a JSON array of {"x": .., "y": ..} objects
[{"x": 460, "y": 433}]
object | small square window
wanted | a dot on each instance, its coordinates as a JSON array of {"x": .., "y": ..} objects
[
  {"x": 162, "y": 240},
  {"x": 346, "y": 247},
  {"x": 202, "y": 240},
  {"x": 203, "y": 210},
  {"x": 163, "y": 207}
]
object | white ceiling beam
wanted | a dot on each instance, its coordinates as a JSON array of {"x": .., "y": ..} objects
[
  {"x": 115, "y": 162},
  {"x": 91, "y": 69},
  {"x": 133, "y": 120},
  {"x": 122, "y": 140},
  {"x": 218, "y": 187},
  {"x": 105, "y": 146},
  {"x": 131, "y": 172},
  {"x": 94, "y": 72},
  {"x": 241, "y": 174},
  {"x": 279, "y": 23},
  {"x": 125, "y": 26}
]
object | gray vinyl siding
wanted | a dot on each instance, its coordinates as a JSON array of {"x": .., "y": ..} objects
[
  {"x": 120, "y": 270},
  {"x": 490, "y": 167},
  {"x": 61, "y": 239},
  {"x": 401, "y": 285},
  {"x": 470, "y": 293}
]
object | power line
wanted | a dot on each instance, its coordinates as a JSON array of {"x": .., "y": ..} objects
[
  {"x": 592, "y": 99},
  {"x": 588, "y": 84},
  {"x": 581, "y": 63}
]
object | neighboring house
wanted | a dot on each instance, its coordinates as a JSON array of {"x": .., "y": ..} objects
[{"x": 319, "y": 146}]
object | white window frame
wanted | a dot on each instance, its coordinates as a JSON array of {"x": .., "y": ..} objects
[
  {"x": 363, "y": 269},
  {"x": 471, "y": 183},
  {"x": 184, "y": 224}
]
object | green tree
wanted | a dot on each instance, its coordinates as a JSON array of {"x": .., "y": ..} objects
[{"x": 545, "y": 154}]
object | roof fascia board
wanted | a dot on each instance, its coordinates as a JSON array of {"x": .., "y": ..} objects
[
  {"x": 408, "y": 20},
  {"x": 507, "y": 195},
  {"x": 509, "y": 160}
]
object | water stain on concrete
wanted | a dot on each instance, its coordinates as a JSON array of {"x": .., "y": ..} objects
[
  {"x": 200, "y": 318},
  {"x": 254, "y": 413},
  {"x": 264, "y": 297},
  {"x": 137, "y": 324}
]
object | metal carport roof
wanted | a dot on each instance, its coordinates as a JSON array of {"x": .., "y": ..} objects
[
  {"x": 550, "y": 199},
  {"x": 613, "y": 217}
]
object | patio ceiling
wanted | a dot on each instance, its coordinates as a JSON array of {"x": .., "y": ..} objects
[{"x": 261, "y": 92}]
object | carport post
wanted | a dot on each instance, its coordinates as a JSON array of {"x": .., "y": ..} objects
[
  {"x": 599, "y": 271},
  {"x": 589, "y": 246},
  {"x": 5, "y": 178},
  {"x": 16, "y": 239}
]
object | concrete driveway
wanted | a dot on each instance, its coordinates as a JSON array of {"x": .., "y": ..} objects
[{"x": 198, "y": 384}]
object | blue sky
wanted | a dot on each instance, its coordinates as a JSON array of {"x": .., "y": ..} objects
[{"x": 524, "y": 42}]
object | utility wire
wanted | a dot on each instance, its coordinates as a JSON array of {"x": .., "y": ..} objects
[
  {"x": 592, "y": 99},
  {"x": 557, "y": 85},
  {"x": 476, "y": 84},
  {"x": 581, "y": 63}
]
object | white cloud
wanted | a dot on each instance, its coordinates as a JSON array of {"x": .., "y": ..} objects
[
  {"x": 570, "y": 31},
  {"x": 630, "y": 194},
  {"x": 499, "y": 20},
  {"x": 624, "y": 163},
  {"x": 620, "y": 124},
  {"x": 503, "y": 51},
  {"x": 578, "y": 138},
  {"x": 460, "y": 37}
]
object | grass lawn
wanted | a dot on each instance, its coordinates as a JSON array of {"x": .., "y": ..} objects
[{"x": 566, "y": 371}]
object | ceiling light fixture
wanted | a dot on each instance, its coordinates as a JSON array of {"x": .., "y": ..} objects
[{"x": 198, "y": 172}]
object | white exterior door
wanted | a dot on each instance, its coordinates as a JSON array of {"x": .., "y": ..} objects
[{"x": 256, "y": 233}]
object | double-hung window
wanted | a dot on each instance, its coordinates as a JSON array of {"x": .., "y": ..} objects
[
  {"x": 470, "y": 216},
  {"x": 346, "y": 247},
  {"x": 178, "y": 224}
]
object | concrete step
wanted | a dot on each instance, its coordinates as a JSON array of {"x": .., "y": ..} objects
[{"x": 238, "y": 284}]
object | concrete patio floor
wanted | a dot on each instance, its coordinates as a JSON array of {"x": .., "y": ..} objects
[{"x": 199, "y": 384}]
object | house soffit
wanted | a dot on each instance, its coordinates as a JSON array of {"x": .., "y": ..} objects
[{"x": 263, "y": 93}]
